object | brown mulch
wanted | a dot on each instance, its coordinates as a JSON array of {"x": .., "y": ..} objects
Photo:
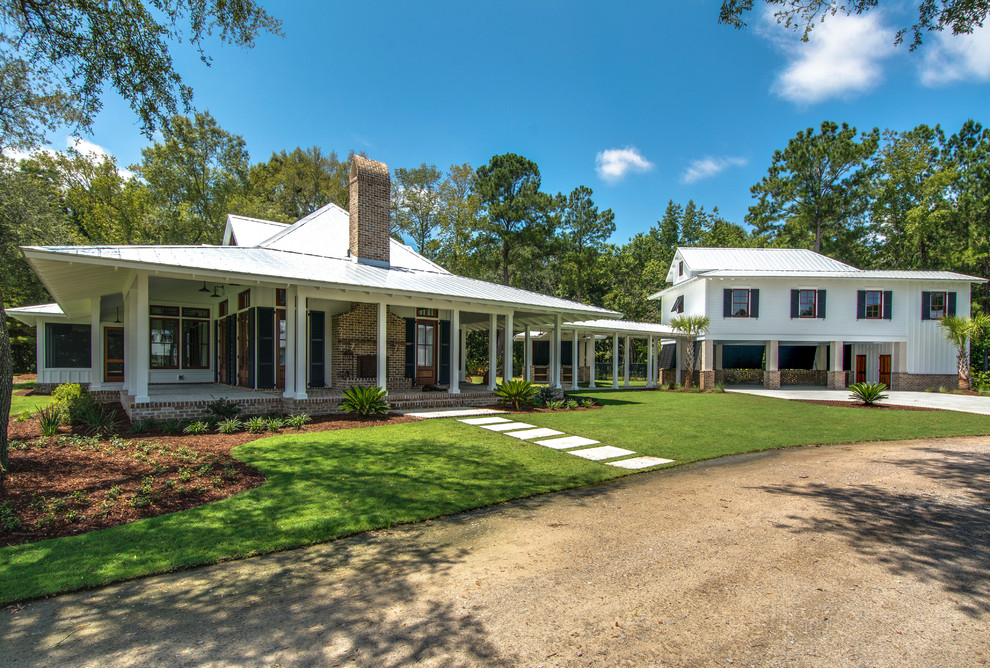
[
  {"x": 860, "y": 404},
  {"x": 64, "y": 485}
]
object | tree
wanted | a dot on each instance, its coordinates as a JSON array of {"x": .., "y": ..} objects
[
  {"x": 584, "y": 230},
  {"x": 692, "y": 326},
  {"x": 460, "y": 218},
  {"x": 195, "y": 174},
  {"x": 960, "y": 331},
  {"x": 968, "y": 152},
  {"x": 508, "y": 188},
  {"x": 962, "y": 16},
  {"x": 56, "y": 58},
  {"x": 416, "y": 206},
  {"x": 290, "y": 186},
  {"x": 815, "y": 188}
]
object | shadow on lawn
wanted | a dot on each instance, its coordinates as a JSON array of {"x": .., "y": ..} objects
[{"x": 939, "y": 537}]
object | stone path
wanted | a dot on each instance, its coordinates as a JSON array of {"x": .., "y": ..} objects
[
  {"x": 451, "y": 412},
  {"x": 571, "y": 445}
]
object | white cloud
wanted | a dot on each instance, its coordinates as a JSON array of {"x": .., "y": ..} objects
[
  {"x": 842, "y": 57},
  {"x": 708, "y": 167},
  {"x": 614, "y": 164},
  {"x": 95, "y": 152},
  {"x": 952, "y": 58}
]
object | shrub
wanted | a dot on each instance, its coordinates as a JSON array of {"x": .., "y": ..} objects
[
  {"x": 298, "y": 421},
  {"x": 196, "y": 428},
  {"x": 555, "y": 404},
  {"x": 113, "y": 493},
  {"x": 49, "y": 419},
  {"x": 515, "y": 392},
  {"x": 586, "y": 402},
  {"x": 68, "y": 394},
  {"x": 719, "y": 388},
  {"x": 364, "y": 401},
  {"x": 257, "y": 424},
  {"x": 144, "y": 426},
  {"x": 231, "y": 426},
  {"x": 544, "y": 395},
  {"x": 224, "y": 409},
  {"x": 97, "y": 418},
  {"x": 274, "y": 424},
  {"x": 868, "y": 393},
  {"x": 170, "y": 427}
]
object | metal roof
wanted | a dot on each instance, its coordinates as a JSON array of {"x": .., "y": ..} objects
[
  {"x": 29, "y": 314},
  {"x": 255, "y": 263},
  {"x": 251, "y": 231},
  {"x": 623, "y": 327},
  {"x": 701, "y": 260},
  {"x": 856, "y": 274}
]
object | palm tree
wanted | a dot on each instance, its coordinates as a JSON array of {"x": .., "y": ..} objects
[
  {"x": 692, "y": 326},
  {"x": 959, "y": 331}
]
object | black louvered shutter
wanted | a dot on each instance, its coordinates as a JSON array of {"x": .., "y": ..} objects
[
  {"x": 950, "y": 307},
  {"x": 727, "y": 303},
  {"x": 795, "y": 303},
  {"x": 821, "y": 304},
  {"x": 860, "y": 304},
  {"x": 252, "y": 342},
  {"x": 926, "y": 306},
  {"x": 317, "y": 348},
  {"x": 444, "y": 352},
  {"x": 410, "y": 348},
  {"x": 754, "y": 303},
  {"x": 266, "y": 348},
  {"x": 888, "y": 304},
  {"x": 231, "y": 349}
]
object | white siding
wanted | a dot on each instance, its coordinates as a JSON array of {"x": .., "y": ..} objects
[{"x": 694, "y": 301}]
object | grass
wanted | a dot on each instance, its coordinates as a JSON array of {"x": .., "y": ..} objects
[
  {"x": 20, "y": 404},
  {"x": 326, "y": 485}
]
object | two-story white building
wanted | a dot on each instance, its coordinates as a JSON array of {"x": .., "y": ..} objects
[{"x": 796, "y": 317}]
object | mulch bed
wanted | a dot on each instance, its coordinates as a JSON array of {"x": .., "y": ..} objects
[
  {"x": 860, "y": 404},
  {"x": 70, "y": 484}
]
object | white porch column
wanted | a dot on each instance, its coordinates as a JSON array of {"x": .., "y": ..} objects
[
  {"x": 615, "y": 361},
  {"x": 574, "y": 360},
  {"x": 492, "y": 349},
  {"x": 302, "y": 350},
  {"x": 650, "y": 362},
  {"x": 289, "y": 391},
  {"x": 591, "y": 361},
  {"x": 455, "y": 329},
  {"x": 835, "y": 347},
  {"x": 95, "y": 345},
  {"x": 129, "y": 362},
  {"x": 528, "y": 356},
  {"x": 383, "y": 346},
  {"x": 507, "y": 371},
  {"x": 557, "y": 362},
  {"x": 625, "y": 363},
  {"x": 463, "y": 338},
  {"x": 142, "y": 341}
]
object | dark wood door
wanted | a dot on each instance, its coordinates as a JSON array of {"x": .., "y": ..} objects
[
  {"x": 113, "y": 355},
  {"x": 860, "y": 368},
  {"x": 280, "y": 338},
  {"x": 243, "y": 378},
  {"x": 885, "y": 370},
  {"x": 426, "y": 352}
]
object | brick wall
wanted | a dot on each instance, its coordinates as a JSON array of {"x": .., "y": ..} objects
[
  {"x": 739, "y": 376},
  {"x": 803, "y": 377},
  {"x": 355, "y": 333},
  {"x": 916, "y": 382},
  {"x": 369, "y": 209}
]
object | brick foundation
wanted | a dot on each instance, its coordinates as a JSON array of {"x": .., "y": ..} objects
[
  {"x": 706, "y": 379},
  {"x": 739, "y": 376},
  {"x": 771, "y": 380},
  {"x": 803, "y": 377},
  {"x": 837, "y": 380},
  {"x": 917, "y": 382}
]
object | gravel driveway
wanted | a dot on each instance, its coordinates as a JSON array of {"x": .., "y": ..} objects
[{"x": 872, "y": 555}]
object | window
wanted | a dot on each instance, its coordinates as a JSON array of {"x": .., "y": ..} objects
[
  {"x": 244, "y": 300},
  {"x": 195, "y": 344},
  {"x": 223, "y": 308},
  {"x": 936, "y": 308},
  {"x": 680, "y": 268},
  {"x": 67, "y": 346},
  {"x": 280, "y": 296},
  {"x": 874, "y": 304},
  {"x": 164, "y": 343},
  {"x": 182, "y": 339},
  {"x": 424, "y": 340},
  {"x": 426, "y": 312},
  {"x": 678, "y": 306},
  {"x": 807, "y": 301},
  {"x": 740, "y": 304}
]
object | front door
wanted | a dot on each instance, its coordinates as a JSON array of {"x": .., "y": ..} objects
[
  {"x": 426, "y": 352},
  {"x": 113, "y": 355},
  {"x": 242, "y": 350},
  {"x": 885, "y": 370},
  {"x": 860, "y": 368}
]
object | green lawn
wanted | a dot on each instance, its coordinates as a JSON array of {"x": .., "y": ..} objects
[
  {"x": 326, "y": 485},
  {"x": 19, "y": 404}
]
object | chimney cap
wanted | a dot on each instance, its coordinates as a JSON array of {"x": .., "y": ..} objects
[{"x": 369, "y": 170}]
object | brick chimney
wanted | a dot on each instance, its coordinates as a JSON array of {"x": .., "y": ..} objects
[{"x": 369, "y": 190}]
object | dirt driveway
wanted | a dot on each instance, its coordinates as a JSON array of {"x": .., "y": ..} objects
[{"x": 872, "y": 555}]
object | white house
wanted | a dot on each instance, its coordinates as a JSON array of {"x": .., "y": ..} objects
[
  {"x": 285, "y": 317},
  {"x": 795, "y": 317}
]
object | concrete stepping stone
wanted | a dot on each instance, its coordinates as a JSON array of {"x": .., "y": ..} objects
[
  {"x": 451, "y": 412},
  {"x": 485, "y": 420},
  {"x": 640, "y": 462},
  {"x": 603, "y": 452},
  {"x": 533, "y": 433},
  {"x": 507, "y": 426},
  {"x": 567, "y": 442}
]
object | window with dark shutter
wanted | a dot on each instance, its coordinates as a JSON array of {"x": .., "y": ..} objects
[
  {"x": 807, "y": 300},
  {"x": 678, "y": 306},
  {"x": 820, "y": 307},
  {"x": 888, "y": 304},
  {"x": 795, "y": 303},
  {"x": 874, "y": 305},
  {"x": 860, "y": 304},
  {"x": 937, "y": 305}
]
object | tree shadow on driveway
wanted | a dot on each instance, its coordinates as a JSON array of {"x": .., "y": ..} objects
[{"x": 941, "y": 536}]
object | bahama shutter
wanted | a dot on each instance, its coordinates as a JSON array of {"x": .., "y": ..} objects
[
  {"x": 795, "y": 303},
  {"x": 754, "y": 303},
  {"x": 317, "y": 348},
  {"x": 950, "y": 306},
  {"x": 888, "y": 304},
  {"x": 266, "y": 347},
  {"x": 410, "y": 348},
  {"x": 444, "y": 352},
  {"x": 861, "y": 304},
  {"x": 926, "y": 306},
  {"x": 252, "y": 342},
  {"x": 821, "y": 305},
  {"x": 727, "y": 303},
  {"x": 565, "y": 352}
]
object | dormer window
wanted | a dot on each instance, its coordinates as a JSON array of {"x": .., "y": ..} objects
[{"x": 680, "y": 268}]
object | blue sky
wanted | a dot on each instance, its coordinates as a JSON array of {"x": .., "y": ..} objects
[{"x": 643, "y": 102}]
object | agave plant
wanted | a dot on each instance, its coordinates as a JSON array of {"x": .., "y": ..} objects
[
  {"x": 516, "y": 392},
  {"x": 868, "y": 393},
  {"x": 364, "y": 401}
]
